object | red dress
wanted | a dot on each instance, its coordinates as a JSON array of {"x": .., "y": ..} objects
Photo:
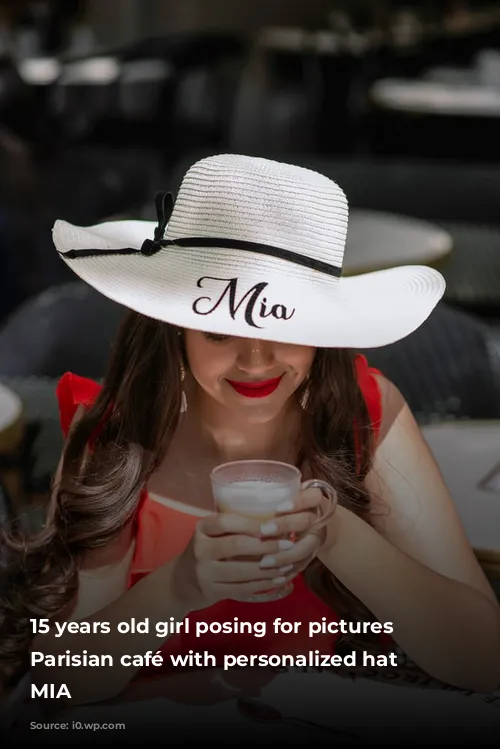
[{"x": 164, "y": 532}]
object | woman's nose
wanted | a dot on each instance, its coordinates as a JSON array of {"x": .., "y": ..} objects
[{"x": 256, "y": 356}]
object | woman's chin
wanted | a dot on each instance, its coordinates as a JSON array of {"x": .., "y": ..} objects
[{"x": 262, "y": 412}]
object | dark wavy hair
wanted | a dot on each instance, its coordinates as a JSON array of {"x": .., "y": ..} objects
[{"x": 137, "y": 412}]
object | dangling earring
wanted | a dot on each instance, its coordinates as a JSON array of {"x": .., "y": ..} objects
[
  {"x": 183, "y": 377},
  {"x": 304, "y": 399},
  {"x": 183, "y": 396}
]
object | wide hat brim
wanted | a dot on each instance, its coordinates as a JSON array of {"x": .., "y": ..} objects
[{"x": 237, "y": 293}]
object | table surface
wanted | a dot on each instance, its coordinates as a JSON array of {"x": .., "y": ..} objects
[
  {"x": 468, "y": 454},
  {"x": 11, "y": 407},
  {"x": 437, "y": 98},
  {"x": 377, "y": 240},
  {"x": 467, "y": 255},
  {"x": 372, "y": 709}
]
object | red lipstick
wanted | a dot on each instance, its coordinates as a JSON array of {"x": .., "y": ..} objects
[{"x": 256, "y": 389}]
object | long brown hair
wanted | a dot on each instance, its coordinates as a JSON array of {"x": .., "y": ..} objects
[{"x": 130, "y": 426}]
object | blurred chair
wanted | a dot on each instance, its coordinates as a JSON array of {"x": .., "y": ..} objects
[
  {"x": 425, "y": 189},
  {"x": 472, "y": 269},
  {"x": 85, "y": 94},
  {"x": 102, "y": 182},
  {"x": 83, "y": 185},
  {"x": 278, "y": 103},
  {"x": 39, "y": 452},
  {"x": 67, "y": 327},
  {"x": 4, "y": 506},
  {"x": 202, "y": 103},
  {"x": 448, "y": 368},
  {"x": 17, "y": 102}
]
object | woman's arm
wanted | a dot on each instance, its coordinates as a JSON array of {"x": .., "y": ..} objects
[
  {"x": 103, "y": 597},
  {"x": 417, "y": 569},
  {"x": 151, "y": 597}
]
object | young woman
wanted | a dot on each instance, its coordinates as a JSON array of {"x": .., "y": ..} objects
[{"x": 240, "y": 345}]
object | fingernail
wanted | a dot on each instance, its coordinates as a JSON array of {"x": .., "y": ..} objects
[
  {"x": 285, "y": 545},
  {"x": 268, "y": 529},
  {"x": 268, "y": 562},
  {"x": 279, "y": 580},
  {"x": 285, "y": 506},
  {"x": 284, "y": 570}
]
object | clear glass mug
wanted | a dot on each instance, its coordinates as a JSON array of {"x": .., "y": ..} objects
[{"x": 255, "y": 489}]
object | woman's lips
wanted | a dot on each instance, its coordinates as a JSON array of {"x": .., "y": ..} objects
[{"x": 256, "y": 389}]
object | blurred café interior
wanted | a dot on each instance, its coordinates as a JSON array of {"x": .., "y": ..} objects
[{"x": 104, "y": 103}]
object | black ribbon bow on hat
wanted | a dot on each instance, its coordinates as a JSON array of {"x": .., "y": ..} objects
[{"x": 164, "y": 203}]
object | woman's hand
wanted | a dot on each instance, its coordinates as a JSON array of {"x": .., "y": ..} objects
[
  {"x": 308, "y": 542},
  {"x": 231, "y": 556},
  {"x": 234, "y": 557}
]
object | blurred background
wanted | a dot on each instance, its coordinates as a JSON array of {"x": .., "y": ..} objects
[{"x": 103, "y": 103}]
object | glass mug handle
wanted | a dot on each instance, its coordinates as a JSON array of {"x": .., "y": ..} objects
[{"x": 330, "y": 494}]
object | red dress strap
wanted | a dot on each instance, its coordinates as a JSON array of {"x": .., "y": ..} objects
[
  {"x": 73, "y": 391},
  {"x": 371, "y": 391}
]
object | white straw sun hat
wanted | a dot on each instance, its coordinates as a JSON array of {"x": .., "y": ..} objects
[{"x": 251, "y": 248}]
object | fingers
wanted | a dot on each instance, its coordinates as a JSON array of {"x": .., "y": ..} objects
[
  {"x": 239, "y": 581},
  {"x": 286, "y": 525},
  {"x": 223, "y": 524},
  {"x": 271, "y": 566},
  {"x": 309, "y": 499},
  {"x": 232, "y": 550},
  {"x": 232, "y": 547},
  {"x": 300, "y": 554},
  {"x": 244, "y": 591},
  {"x": 242, "y": 572}
]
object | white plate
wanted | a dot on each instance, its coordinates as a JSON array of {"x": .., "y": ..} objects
[
  {"x": 10, "y": 408},
  {"x": 376, "y": 240}
]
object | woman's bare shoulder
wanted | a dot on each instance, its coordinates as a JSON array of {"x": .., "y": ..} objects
[
  {"x": 112, "y": 554},
  {"x": 393, "y": 405}
]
